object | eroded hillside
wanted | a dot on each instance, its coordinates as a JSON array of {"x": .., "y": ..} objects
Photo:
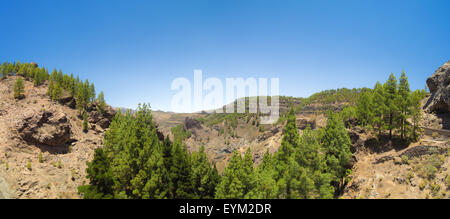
[{"x": 43, "y": 148}]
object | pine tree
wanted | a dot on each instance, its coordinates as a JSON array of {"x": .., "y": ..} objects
[
  {"x": 265, "y": 185},
  {"x": 337, "y": 144},
  {"x": 247, "y": 179},
  {"x": 348, "y": 115},
  {"x": 308, "y": 153},
  {"x": 136, "y": 156},
  {"x": 364, "y": 108},
  {"x": 22, "y": 71},
  {"x": 295, "y": 182},
  {"x": 3, "y": 70},
  {"x": 92, "y": 94},
  {"x": 100, "y": 176},
  {"x": 19, "y": 88},
  {"x": 390, "y": 91},
  {"x": 416, "y": 110},
  {"x": 231, "y": 185},
  {"x": 181, "y": 186},
  {"x": 404, "y": 102},
  {"x": 85, "y": 122},
  {"x": 379, "y": 107},
  {"x": 57, "y": 92},
  {"x": 50, "y": 88},
  {"x": 36, "y": 79},
  {"x": 204, "y": 179},
  {"x": 101, "y": 104},
  {"x": 290, "y": 138}
]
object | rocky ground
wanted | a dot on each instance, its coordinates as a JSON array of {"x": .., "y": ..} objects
[
  {"x": 417, "y": 170},
  {"x": 43, "y": 149},
  {"x": 399, "y": 172}
]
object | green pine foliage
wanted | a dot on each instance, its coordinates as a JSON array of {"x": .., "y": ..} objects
[
  {"x": 391, "y": 107},
  {"x": 233, "y": 184},
  {"x": 58, "y": 83},
  {"x": 203, "y": 175},
  {"x": 19, "y": 88},
  {"x": 179, "y": 134},
  {"x": 85, "y": 122},
  {"x": 336, "y": 143},
  {"x": 101, "y": 104},
  {"x": 142, "y": 166}
]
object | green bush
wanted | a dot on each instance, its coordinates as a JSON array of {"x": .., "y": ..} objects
[
  {"x": 435, "y": 188},
  {"x": 29, "y": 166},
  {"x": 423, "y": 184},
  {"x": 405, "y": 159},
  {"x": 409, "y": 176},
  {"x": 429, "y": 171}
]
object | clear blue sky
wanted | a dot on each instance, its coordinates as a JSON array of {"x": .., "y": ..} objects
[{"x": 132, "y": 50}]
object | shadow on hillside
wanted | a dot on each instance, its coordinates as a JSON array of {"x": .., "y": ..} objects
[
  {"x": 445, "y": 120},
  {"x": 384, "y": 144},
  {"x": 62, "y": 149}
]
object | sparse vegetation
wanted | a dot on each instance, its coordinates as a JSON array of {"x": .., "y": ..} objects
[
  {"x": 423, "y": 184},
  {"x": 435, "y": 188},
  {"x": 41, "y": 158},
  {"x": 29, "y": 166},
  {"x": 405, "y": 159},
  {"x": 435, "y": 135},
  {"x": 447, "y": 182},
  {"x": 180, "y": 134},
  {"x": 409, "y": 176},
  {"x": 73, "y": 174}
]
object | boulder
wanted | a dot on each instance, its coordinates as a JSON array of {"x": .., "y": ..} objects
[
  {"x": 101, "y": 119},
  {"x": 47, "y": 127},
  {"x": 67, "y": 99},
  {"x": 439, "y": 85}
]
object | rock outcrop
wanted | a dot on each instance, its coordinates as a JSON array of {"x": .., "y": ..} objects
[
  {"x": 102, "y": 119},
  {"x": 439, "y": 85},
  {"x": 190, "y": 123},
  {"x": 45, "y": 127}
]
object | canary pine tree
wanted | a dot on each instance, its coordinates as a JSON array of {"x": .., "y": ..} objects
[
  {"x": 404, "y": 102},
  {"x": 203, "y": 176},
  {"x": 390, "y": 91},
  {"x": 232, "y": 185},
  {"x": 19, "y": 88},
  {"x": 336, "y": 143}
]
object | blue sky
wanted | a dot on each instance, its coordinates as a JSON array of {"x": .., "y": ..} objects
[{"x": 132, "y": 50}]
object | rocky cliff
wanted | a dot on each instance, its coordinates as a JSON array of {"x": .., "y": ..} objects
[{"x": 439, "y": 85}]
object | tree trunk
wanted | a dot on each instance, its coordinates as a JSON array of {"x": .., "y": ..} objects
[{"x": 390, "y": 126}]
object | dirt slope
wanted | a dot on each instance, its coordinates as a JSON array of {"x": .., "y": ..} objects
[{"x": 62, "y": 167}]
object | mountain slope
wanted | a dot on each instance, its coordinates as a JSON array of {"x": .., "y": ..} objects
[{"x": 43, "y": 148}]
